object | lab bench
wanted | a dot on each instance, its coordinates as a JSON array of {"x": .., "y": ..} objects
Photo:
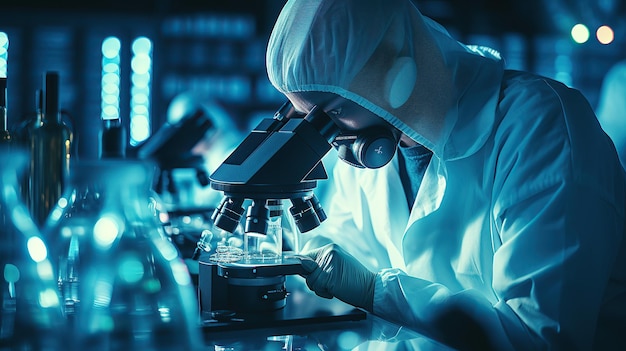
[{"x": 309, "y": 322}]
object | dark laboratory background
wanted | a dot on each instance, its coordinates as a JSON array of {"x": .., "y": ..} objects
[
  {"x": 135, "y": 60},
  {"x": 216, "y": 49}
]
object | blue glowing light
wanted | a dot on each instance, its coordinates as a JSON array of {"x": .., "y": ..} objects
[
  {"x": 142, "y": 45},
  {"x": 110, "y": 91},
  {"x": 44, "y": 270},
  {"x": 4, "y": 40},
  {"x": 111, "y": 47},
  {"x": 48, "y": 298},
  {"x": 106, "y": 231},
  {"x": 37, "y": 249},
  {"x": 4, "y": 51},
  {"x": 141, "y": 63},
  {"x": 139, "y": 128},
  {"x": 11, "y": 273},
  {"x": 141, "y": 66},
  {"x": 130, "y": 269}
]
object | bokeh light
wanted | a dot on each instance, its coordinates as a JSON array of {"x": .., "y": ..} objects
[
  {"x": 580, "y": 33},
  {"x": 11, "y": 273},
  {"x": 37, "y": 249},
  {"x": 141, "y": 67},
  {"x": 130, "y": 269},
  {"x": 48, "y": 298},
  {"x": 605, "y": 35},
  {"x": 111, "y": 47},
  {"x": 4, "y": 53},
  {"x": 106, "y": 231},
  {"x": 110, "y": 80}
]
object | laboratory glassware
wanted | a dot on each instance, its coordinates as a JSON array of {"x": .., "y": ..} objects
[{"x": 124, "y": 284}]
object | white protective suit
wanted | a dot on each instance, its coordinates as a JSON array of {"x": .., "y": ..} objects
[{"x": 519, "y": 221}]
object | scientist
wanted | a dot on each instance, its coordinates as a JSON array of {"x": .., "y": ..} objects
[{"x": 512, "y": 235}]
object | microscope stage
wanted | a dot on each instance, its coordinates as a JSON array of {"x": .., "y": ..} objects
[{"x": 302, "y": 307}]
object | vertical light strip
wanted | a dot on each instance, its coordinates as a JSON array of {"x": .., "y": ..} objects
[
  {"x": 141, "y": 66},
  {"x": 4, "y": 53},
  {"x": 110, "y": 88}
]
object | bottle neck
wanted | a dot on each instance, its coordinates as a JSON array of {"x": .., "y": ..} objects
[
  {"x": 112, "y": 139},
  {"x": 52, "y": 111},
  {"x": 4, "y": 126},
  {"x": 51, "y": 118},
  {"x": 5, "y": 136}
]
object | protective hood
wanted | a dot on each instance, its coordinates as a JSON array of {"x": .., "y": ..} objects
[{"x": 387, "y": 57}]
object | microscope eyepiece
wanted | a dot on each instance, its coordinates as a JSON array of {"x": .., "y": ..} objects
[{"x": 322, "y": 123}]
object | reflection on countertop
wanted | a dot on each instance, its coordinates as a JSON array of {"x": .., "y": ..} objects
[
  {"x": 369, "y": 334},
  {"x": 331, "y": 325}
]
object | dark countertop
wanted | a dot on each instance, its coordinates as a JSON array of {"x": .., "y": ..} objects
[{"x": 309, "y": 322}]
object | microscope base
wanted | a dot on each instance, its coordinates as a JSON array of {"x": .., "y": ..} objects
[{"x": 302, "y": 307}]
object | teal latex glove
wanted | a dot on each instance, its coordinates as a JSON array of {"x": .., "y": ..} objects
[{"x": 332, "y": 272}]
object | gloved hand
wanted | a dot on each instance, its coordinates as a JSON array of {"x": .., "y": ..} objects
[{"x": 332, "y": 272}]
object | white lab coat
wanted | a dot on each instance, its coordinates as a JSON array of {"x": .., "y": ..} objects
[
  {"x": 528, "y": 235},
  {"x": 519, "y": 221}
]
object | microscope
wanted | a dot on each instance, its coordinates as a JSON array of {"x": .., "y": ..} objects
[
  {"x": 278, "y": 162},
  {"x": 171, "y": 149},
  {"x": 170, "y": 146}
]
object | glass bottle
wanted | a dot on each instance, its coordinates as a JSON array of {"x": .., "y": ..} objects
[
  {"x": 50, "y": 146},
  {"x": 5, "y": 135},
  {"x": 112, "y": 139},
  {"x": 31, "y": 317},
  {"x": 123, "y": 282},
  {"x": 22, "y": 132},
  {"x": 21, "y": 137}
]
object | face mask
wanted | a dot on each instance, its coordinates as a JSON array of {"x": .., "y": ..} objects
[{"x": 371, "y": 147}]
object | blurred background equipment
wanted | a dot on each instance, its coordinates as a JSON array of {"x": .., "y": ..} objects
[
  {"x": 29, "y": 301},
  {"x": 198, "y": 135},
  {"x": 171, "y": 147},
  {"x": 129, "y": 59},
  {"x": 121, "y": 280}
]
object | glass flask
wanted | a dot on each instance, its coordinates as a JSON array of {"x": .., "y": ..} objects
[
  {"x": 31, "y": 317},
  {"x": 123, "y": 283}
]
